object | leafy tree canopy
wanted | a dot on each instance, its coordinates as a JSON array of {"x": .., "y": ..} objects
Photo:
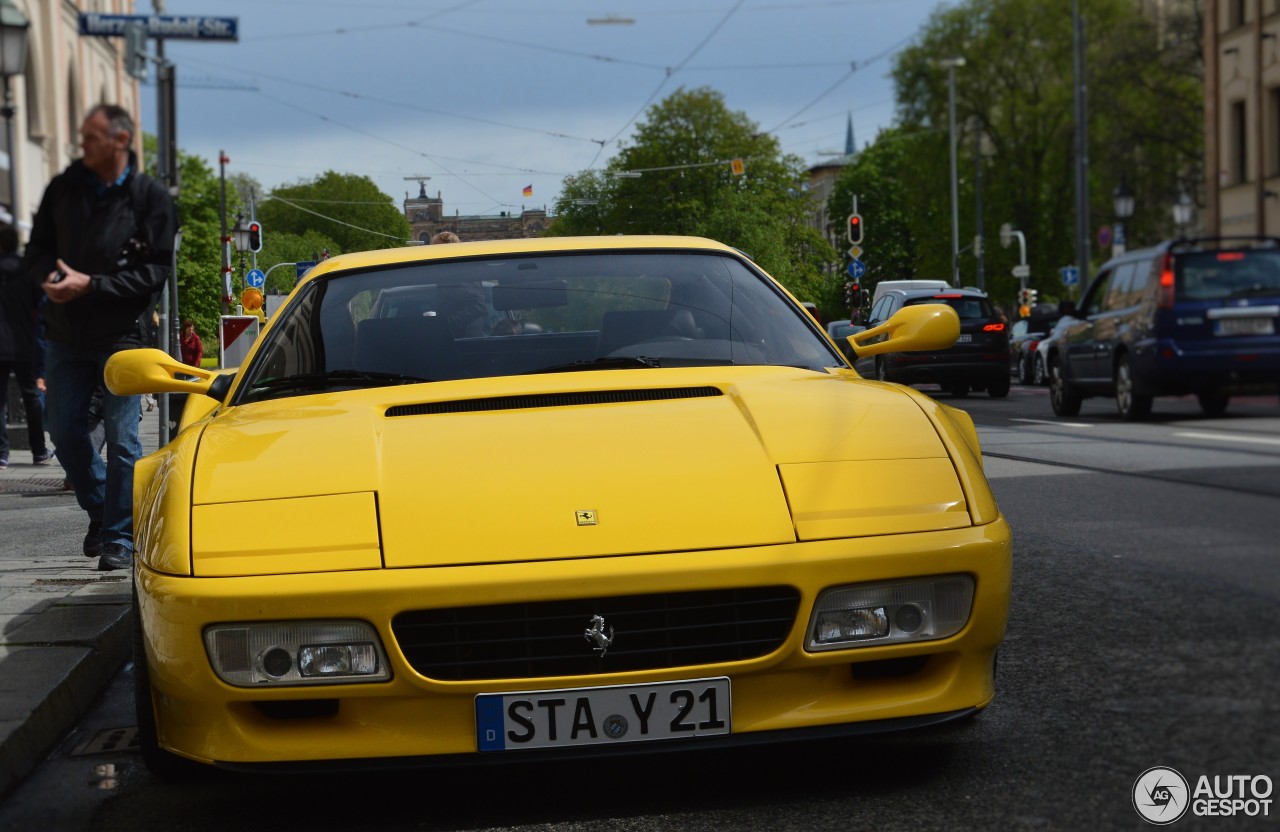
[
  {"x": 683, "y": 152},
  {"x": 348, "y": 209}
]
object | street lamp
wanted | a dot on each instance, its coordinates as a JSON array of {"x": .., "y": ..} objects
[
  {"x": 1182, "y": 210},
  {"x": 13, "y": 61},
  {"x": 950, "y": 64},
  {"x": 1123, "y": 205}
]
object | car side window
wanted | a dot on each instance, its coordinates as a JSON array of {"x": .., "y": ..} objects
[
  {"x": 1097, "y": 295},
  {"x": 877, "y": 313},
  {"x": 1118, "y": 294}
]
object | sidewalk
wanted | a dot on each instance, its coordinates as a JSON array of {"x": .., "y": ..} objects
[{"x": 64, "y": 626}]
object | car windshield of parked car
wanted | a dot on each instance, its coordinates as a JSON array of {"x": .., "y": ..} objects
[
  {"x": 532, "y": 313},
  {"x": 1221, "y": 275},
  {"x": 967, "y": 307}
]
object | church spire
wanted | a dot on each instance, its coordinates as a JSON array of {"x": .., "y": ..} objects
[{"x": 849, "y": 147}]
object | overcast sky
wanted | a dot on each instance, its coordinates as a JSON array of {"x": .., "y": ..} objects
[{"x": 489, "y": 96}]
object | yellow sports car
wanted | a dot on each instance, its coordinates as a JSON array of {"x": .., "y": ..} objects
[{"x": 554, "y": 497}]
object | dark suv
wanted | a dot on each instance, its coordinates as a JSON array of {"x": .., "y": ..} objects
[
  {"x": 978, "y": 361},
  {"x": 1188, "y": 316}
]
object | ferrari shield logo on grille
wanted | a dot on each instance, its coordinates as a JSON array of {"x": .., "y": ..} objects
[
  {"x": 586, "y": 517},
  {"x": 596, "y": 634}
]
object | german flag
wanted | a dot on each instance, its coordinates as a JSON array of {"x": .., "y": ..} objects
[{"x": 528, "y": 190}]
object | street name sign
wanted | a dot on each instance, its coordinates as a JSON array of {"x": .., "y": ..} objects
[
  {"x": 167, "y": 27},
  {"x": 1022, "y": 271}
]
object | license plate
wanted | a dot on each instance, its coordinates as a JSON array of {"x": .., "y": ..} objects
[
  {"x": 1245, "y": 326},
  {"x": 966, "y": 338},
  {"x": 599, "y": 716}
]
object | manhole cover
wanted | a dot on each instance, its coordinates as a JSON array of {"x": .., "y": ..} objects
[
  {"x": 31, "y": 485},
  {"x": 108, "y": 740}
]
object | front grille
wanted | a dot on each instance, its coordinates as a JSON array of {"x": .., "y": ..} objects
[{"x": 532, "y": 640}]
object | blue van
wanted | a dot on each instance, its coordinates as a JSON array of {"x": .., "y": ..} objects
[{"x": 1195, "y": 316}]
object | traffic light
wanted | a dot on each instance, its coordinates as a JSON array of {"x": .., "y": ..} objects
[
  {"x": 855, "y": 229},
  {"x": 255, "y": 236},
  {"x": 1031, "y": 297},
  {"x": 251, "y": 300}
]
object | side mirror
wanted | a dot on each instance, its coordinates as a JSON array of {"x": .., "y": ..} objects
[
  {"x": 926, "y": 326},
  {"x": 134, "y": 372}
]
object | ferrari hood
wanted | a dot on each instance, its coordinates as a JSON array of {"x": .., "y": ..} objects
[{"x": 588, "y": 464}]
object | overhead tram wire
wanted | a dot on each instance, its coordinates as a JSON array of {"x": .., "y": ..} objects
[
  {"x": 670, "y": 71},
  {"x": 366, "y": 133},
  {"x": 389, "y": 102},
  {"x": 853, "y": 68},
  {"x": 295, "y": 205}
]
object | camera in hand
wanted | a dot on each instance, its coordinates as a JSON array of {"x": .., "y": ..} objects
[
  {"x": 58, "y": 276},
  {"x": 133, "y": 253}
]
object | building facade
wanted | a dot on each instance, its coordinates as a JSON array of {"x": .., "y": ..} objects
[
  {"x": 426, "y": 216},
  {"x": 65, "y": 75},
  {"x": 1242, "y": 117}
]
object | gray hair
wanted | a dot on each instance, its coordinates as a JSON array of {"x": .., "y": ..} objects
[{"x": 118, "y": 117}]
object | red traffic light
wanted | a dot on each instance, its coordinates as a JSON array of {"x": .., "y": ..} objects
[
  {"x": 255, "y": 236},
  {"x": 855, "y": 228}
]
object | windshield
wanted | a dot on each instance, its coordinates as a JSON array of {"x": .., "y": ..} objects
[
  {"x": 532, "y": 313},
  {"x": 1218, "y": 275}
]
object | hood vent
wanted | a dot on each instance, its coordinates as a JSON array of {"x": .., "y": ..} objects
[{"x": 553, "y": 400}]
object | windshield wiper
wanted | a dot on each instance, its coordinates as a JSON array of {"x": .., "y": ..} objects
[
  {"x": 334, "y": 378},
  {"x": 608, "y": 362}
]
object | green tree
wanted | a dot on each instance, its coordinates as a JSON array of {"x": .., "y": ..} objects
[
  {"x": 348, "y": 209},
  {"x": 686, "y": 186},
  {"x": 1014, "y": 101},
  {"x": 200, "y": 254}
]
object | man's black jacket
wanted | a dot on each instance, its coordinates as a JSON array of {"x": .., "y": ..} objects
[{"x": 88, "y": 231}]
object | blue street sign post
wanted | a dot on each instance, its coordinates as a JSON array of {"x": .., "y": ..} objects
[
  {"x": 1070, "y": 275},
  {"x": 255, "y": 278},
  {"x": 304, "y": 266},
  {"x": 168, "y": 27},
  {"x": 857, "y": 269}
]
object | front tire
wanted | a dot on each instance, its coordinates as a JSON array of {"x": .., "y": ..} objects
[
  {"x": 1213, "y": 404},
  {"x": 1025, "y": 371},
  {"x": 1132, "y": 406},
  {"x": 163, "y": 764},
  {"x": 1065, "y": 401}
]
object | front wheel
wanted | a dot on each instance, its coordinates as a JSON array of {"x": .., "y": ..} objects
[
  {"x": 1133, "y": 407},
  {"x": 1213, "y": 404},
  {"x": 1024, "y": 369},
  {"x": 1065, "y": 401},
  {"x": 1038, "y": 374},
  {"x": 163, "y": 764}
]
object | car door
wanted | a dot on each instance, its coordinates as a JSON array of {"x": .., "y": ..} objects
[
  {"x": 1108, "y": 322},
  {"x": 1078, "y": 341}
]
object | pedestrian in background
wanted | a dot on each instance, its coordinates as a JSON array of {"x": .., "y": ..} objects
[
  {"x": 100, "y": 248},
  {"x": 192, "y": 346},
  {"x": 18, "y": 350}
]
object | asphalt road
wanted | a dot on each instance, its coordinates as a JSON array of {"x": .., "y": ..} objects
[{"x": 1145, "y": 631}]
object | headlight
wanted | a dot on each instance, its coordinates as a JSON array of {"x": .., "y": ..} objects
[
  {"x": 296, "y": 653},
  {"x": 865, "y": 615}
]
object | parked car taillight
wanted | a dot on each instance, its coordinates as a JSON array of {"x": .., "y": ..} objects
[
  {"x": 993, "y": 328},
  {"x": 1164, "y": 296}
]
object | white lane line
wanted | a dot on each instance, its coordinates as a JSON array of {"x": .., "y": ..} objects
[
  {"x": 1051, "y": 422},
  {"x": 1222, "y": 437}
]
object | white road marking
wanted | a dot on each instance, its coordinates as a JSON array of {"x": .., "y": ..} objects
[
  {"x": 1222, "y": 437},
  {"x": 1052, "y": 422}
]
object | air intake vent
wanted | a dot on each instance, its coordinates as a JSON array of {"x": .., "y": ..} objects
[
  {"x": 547, "y": 638},
  {"x": 553, "y": 400}
]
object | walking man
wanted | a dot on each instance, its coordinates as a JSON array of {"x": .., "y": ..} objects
[
  {"x": 18, "y": 350},
  {"x": 100, "y": 248}
]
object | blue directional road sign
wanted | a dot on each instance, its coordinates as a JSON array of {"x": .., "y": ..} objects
[
  {"x": 165, "y": 26},
  {"x": 857, "y": 269},
  {"x": 304, "y": 266},
  {"x": 255, "y": 278},
  {"x": 1070, "y": 275}
]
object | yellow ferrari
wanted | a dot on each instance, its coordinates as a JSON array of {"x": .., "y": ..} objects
[{"x": 555, "y": 497}]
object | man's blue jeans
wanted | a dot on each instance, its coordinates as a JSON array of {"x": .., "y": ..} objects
[{"x": 103, "y": 489}]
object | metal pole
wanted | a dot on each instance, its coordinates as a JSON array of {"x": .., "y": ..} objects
[
  {"x": 226, "y": 239},
  {"x": 8, "y": 112},
  {"x": 979, "y": 242},
  {"x": 1082, "y": 147},
  {"x": 955, "y": 200}
]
